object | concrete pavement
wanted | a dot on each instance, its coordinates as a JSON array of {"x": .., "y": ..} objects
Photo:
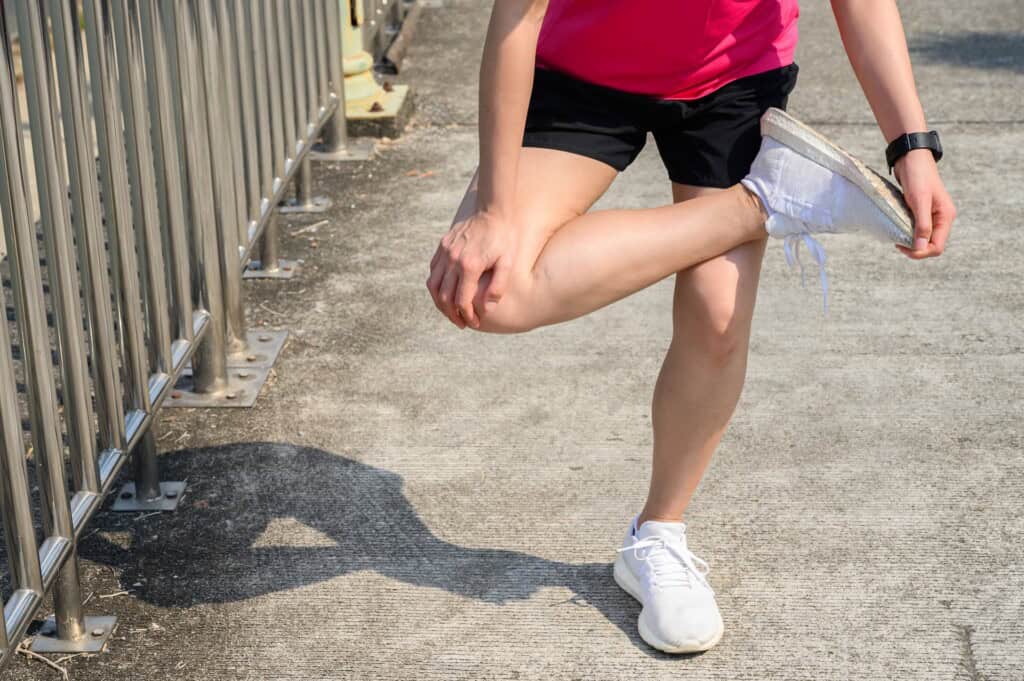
[{"x": 407, "y": 501}]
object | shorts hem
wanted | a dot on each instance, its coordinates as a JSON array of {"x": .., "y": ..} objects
[
  {"x": 578, "y": 148},
  {"x": 706, "y": 182}
]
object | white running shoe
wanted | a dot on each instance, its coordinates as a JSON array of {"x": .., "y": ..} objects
[
  {"x": 655, "y": 567},
  {"x": 809, "y": 185}
]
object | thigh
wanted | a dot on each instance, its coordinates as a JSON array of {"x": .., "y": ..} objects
[
  {"x": 552, "y": 188},
  {"x": 717, "y": 296}
]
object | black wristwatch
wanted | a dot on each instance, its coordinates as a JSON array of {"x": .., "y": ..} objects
[{"x": 899, "y": 147}]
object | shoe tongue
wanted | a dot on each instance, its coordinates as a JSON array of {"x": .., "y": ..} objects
[{"x": 663, "y": 530}]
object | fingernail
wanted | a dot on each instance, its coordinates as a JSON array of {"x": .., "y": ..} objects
[{"x": 920, "y": 243}]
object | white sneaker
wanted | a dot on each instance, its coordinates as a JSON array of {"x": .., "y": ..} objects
[
  {"x": 655, "y": 567},
  {"x": 809, "y": 185}
]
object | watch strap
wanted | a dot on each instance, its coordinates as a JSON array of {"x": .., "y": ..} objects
[{"x": 905, "y": 143}]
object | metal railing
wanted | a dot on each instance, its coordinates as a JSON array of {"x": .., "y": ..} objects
[{"x": 162, "y": 139}]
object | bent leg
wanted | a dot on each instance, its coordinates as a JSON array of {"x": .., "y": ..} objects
[
  {"x": 597, "y": 258},
  {"x": 703, "y": 373},
  {"x": 553, "y": 187}
]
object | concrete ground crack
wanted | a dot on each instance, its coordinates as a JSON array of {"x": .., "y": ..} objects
[{"x": 967, "y": 660}]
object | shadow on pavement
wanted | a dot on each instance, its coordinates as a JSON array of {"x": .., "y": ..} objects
[
  {"x": 345, "y": 516},
  {"x": 973, "y": 50}
]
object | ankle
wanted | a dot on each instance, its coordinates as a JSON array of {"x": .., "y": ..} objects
[{"x": 657, "y": 517}]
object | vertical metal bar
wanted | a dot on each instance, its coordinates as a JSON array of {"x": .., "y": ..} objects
[
  {"x": 143, "y": 179},
  {"x": 284, "y": 55},
  {"x": 273, "y": 152},
  {"x": 269, "y": 259},
  {"x": 295, "y": 34},
  {"x": 225, "y": 31},
  {"x": 147, "y": 469},
  {"x": 170, "y": 172},
  {"x": 320, "y": 30},
  {"x": 304, "y": 183},
  {"x": 67, "y": 600},
  {"x": 309, "y": 43},
  {"x": 250, "y": 125},
  {"x": 264, "y": 136},
  {"x": 277, "y": 113},
  {"x": 210, "y": 360},
  {"x": 223, "y": 185},
  {"x": 59, "y": 244},
  {"x": 57, "y": 240},
  {"x": 88, "y": 223},
  {"x": 116, "y": 199},
  {"x": 23, "y": 557}
]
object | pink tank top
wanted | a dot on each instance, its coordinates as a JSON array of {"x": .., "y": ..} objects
[{"x": 673, "y": 49}]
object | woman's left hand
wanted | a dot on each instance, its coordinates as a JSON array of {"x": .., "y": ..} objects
[{"x": 928, "y": 199}]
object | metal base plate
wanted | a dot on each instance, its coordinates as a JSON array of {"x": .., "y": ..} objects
[
  {"x": 97, "y": 631},
  {"x": 356, "y": 149},
  {"x": 286, "y": 269},
  {"x": 168, "y": 501},
  {"x": 262, "y": 348},
  {"x": 242, "y": 390},
  {"x": 316, "y": 204}
]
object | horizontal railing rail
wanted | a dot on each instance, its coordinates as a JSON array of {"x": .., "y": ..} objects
[{"x": 162, "y": 137}]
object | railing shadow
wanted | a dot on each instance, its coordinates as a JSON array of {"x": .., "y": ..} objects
[
  {"x": 215, "y": 548},
  {"x": 986, "y": 50}
]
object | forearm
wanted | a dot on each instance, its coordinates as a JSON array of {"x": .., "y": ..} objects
[
  {"x": 506, "y": 79},
  {"x": 872, "y": 34}
]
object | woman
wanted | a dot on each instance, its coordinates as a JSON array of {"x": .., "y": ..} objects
[{"x": 569, "y": 90}]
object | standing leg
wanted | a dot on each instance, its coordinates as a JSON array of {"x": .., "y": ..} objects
[{"x": 702, "y": 376}]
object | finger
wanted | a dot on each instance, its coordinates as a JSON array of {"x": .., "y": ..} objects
[
  {"x": 437, "y": 257},
  {"x": 446, "y": 297},
  {"x": 922, "y": 209},
  {"x": 912, "y": 254},
  {"x": 437, "y": 271},
  {"x": 942, "y": 222},
  {"x": 469, "y": 280},
  {"x": 499, "y": 281}
]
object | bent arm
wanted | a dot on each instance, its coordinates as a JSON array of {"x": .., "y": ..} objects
[
  {"x": 872, "y": 34},
  {"x": 506, "y": 80}
]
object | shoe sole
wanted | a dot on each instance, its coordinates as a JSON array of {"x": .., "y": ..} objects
[
  {"x": 804, "y": 140},
  {"x": 627, "y": 582}
]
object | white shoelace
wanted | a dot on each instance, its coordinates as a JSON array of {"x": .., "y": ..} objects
[
  {"x": 791, "y": 247},
  {"x": 670, "y": 562}
]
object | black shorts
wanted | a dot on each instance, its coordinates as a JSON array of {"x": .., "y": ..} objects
[{"x": 707, "y": 142}]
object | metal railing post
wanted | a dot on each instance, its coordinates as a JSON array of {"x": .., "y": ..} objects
[
  {"x": 23, "y": 554},
  {"x": 224, "y": 360},
  {"x": 146, "y": 492},
  {"x": 68, "y": 630},
  {"x": 209, "y": 364}
]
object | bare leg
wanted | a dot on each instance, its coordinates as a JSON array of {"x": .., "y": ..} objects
[
  {"x": 591, "y": 260},
  {"x": 702, "y": 376}
]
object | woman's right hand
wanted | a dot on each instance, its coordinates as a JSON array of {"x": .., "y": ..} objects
[{"x": 478, "y": 244}]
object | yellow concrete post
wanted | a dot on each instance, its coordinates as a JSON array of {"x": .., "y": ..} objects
[{"x": 365, "y": 100}]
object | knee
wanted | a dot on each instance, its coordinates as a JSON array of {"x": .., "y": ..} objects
[
  {"x": 511, "y": 314},
  {"x": 506, "y": 318},
  {"x": 715, "y": 330}
]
